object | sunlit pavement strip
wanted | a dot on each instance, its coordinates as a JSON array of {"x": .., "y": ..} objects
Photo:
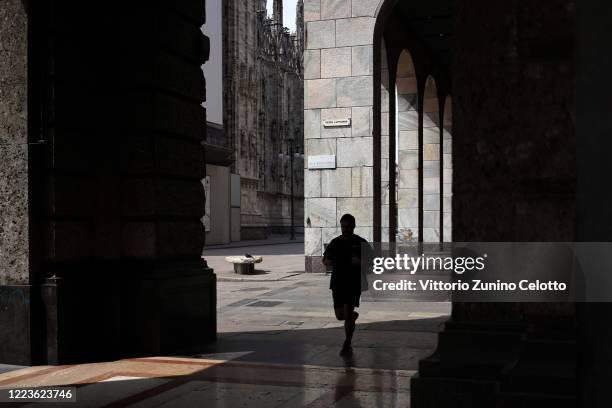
[{"x": 164, "y": 381}]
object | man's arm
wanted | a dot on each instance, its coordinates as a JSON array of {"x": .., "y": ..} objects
[
  {"x": 328, "y": 255},
  {"x": 367, "y": 256}
]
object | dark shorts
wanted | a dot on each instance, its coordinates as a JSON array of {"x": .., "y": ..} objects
[{"x": 344, "y": 297}]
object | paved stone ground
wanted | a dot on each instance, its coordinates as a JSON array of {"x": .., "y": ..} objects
[
  {"x": 277, "y": 346},
  {"x": 289, "y": 318}
]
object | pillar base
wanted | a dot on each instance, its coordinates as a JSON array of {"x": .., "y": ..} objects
[
  {"x": 314, "y": 264},
  {"x": 481, "y": 364},
  {"x": 130, "y": 309},
  {"x": 21, "y": 325}
]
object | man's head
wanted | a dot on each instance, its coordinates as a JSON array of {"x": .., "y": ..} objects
[{"x": 347, "y": 225}]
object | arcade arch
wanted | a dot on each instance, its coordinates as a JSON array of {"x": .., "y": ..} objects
[{"x": 412, "y": 122}]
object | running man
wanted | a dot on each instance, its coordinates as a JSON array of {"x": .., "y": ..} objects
[{"x": 344, "y": 255}]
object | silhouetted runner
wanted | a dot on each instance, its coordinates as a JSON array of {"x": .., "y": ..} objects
[{"x": 344, "y": 255}]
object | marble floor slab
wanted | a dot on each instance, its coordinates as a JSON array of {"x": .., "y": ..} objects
[{"x": 186, "y": 382}]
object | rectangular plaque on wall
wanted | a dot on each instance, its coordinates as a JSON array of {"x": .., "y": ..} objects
[
  {"x": 337, "y": 122},
  {"x": 322, "y": 162}
]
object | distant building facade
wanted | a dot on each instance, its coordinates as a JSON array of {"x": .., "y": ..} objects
[
  {"x": 263, "y": 117},
  {"x": 217, "y": 184}
]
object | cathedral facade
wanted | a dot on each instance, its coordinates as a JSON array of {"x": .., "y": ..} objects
[{"x": 263, "y": 115}]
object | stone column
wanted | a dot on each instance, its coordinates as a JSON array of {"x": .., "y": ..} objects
[
  {"x": 338, "y": 85},
  {"x": 128, "y": 131},
  {"x": 508, "y": 188},
  {"x": 386, "y": 90},
  {"x": 431, "y": 164},
  {"x": 408, "y": 160},
  {"x": 447, "y": 171},
  {"x": 593, "y": 204},
  {"x": 108, "y": 208},
  {"x": 16, "y": 296}
]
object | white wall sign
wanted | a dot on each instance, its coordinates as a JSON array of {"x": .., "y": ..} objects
[
  {"x": 337, "y": 122},
  {"x": 322, "y": 162}
]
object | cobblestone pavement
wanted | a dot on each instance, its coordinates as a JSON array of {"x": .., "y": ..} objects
[{"x": 277, "y": 346}]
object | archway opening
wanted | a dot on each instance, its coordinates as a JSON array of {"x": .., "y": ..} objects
[
  {"x": 407, "y": 151},
  {"x": 412, "y": 168}
]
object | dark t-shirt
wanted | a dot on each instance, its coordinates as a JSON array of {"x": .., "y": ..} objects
[{"x": 345, "y": 275}]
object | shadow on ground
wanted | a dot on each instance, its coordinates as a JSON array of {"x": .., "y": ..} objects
[
  {"x": 393, "y": 345},
  {"x": 280, "y": 368}
]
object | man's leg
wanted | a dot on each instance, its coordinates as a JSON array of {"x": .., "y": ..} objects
[{"x": 349, "y": 322}]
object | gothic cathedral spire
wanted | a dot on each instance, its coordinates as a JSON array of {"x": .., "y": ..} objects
[
  {"x": 278, "y": 13},
  {"x": 299, "y": 24}
]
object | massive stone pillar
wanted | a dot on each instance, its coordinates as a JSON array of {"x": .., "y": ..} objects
[
  {"x": 116, "y": 198},
  {"x": 20, "y": 310},
  {"x": 514, "y": 180},
  {"x": 593, "y": 204},
  {"x": 338, "y": 86}
]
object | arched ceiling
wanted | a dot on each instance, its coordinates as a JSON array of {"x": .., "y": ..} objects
[{"x": 430, "y": 22}]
